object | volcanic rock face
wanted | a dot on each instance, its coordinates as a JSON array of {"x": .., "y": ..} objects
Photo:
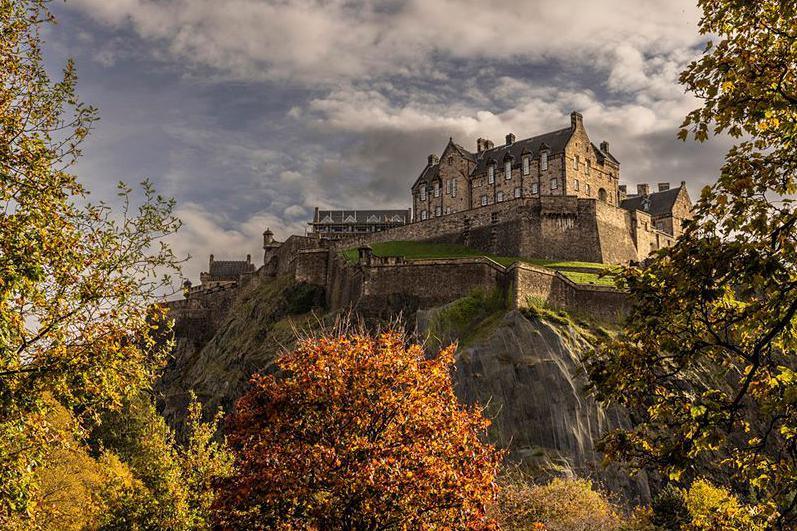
[
  {"x": 525, "y": 369},
  {"x": 528, "y": 373}
]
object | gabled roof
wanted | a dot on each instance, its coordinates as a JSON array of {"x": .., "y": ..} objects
[
  {"x": 656, "y": 204},
  {"x": 428, "y": 173},
  {"x": 361, "y": 216},
  {"x": 462, "y": 151},
  {"x": 604, "y": 154},
  {"x": 555, "y": 141},
  {"x": 230, "y": 269}
]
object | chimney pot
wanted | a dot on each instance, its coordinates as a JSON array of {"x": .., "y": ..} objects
[
  {"x": 605, "y": 146},
  {"x": 663, "y": 187},
  {"x": 510, "y": 139},
  {"x": 248, "y": 258},
  {"x": 643, "y": 189},
  {"x": 576, "y": 119}
]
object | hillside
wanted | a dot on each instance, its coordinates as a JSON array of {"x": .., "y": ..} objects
[{"x": 525, "y": 366}]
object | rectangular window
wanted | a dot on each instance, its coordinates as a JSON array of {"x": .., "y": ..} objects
[
  {"x": 543, "y": 161},
  {"x": 437, "y": 188},
  {"x": 517, "y": 192},
  {"x": 490, "y": 174},
  {"x": 499, "y": 196},
  {"x": 484, "y": 200},
  {"x": 589, "y": 192},
  {"x": 589, "y": 166},
  {"x": 424, "y": 215},
  {"x": 448, "y": 210},
  {"x": 449, "y": 186},
  {"x": 508, "y": 170},
  {"x": 423, "y": 193},
  {"x": 575, "y": 162},
  {"x": 576, "y": 185},
  {"x": 438, "y": 211},
  {"x": 454, "y": 188},
  {"x": 526, "y": 166},
  {"x": 535, "y": 188},
  {"x": 554, "y": 184}
]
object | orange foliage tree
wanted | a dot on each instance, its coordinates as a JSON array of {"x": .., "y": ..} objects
[{"x": 358, "y": 432}]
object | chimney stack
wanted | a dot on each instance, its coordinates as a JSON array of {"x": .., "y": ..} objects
[
  {"x": 433, "y": 160},
  {"x": 683, "y": 184},
  {"x": 605, "y": 146},
  {"x": 576, "y": 119},
  {"x": 488, "y": 144},
  {"x": 643, "y": 189},
  {"x": 663, "y": 187},
  {"x": 623, "y": 189},
  {"x": 510, "y": 139},
  {"x": 249, "y": 259}
]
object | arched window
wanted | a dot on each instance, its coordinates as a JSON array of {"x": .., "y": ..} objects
[{"x": 602, "y": 195}]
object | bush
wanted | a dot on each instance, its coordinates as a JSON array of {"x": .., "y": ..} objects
[{"x": 560, "y": 505}]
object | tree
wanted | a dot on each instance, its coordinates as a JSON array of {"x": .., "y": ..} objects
[
  {"x": 359, "y": 432},
  {"x": 77, "y": 281},
  {"x": 706, "y": 360}
]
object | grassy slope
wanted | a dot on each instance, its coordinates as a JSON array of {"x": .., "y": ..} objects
[{"x": 425, "y": 250}]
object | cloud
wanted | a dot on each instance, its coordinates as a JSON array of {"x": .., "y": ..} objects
[{"x": 326, "y": 41}]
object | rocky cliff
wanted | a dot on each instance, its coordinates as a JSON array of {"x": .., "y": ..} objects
[{"x": 524, "y": 366}]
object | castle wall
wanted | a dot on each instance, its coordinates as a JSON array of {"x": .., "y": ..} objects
[
  {"x": 389, "y": 289},
  {"x": 310, "y": 266},
  {"x": 280, "y": 260},
  {"x": 564, "y": 227}
]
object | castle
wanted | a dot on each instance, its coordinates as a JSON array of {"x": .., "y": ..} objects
[{"x": 552, "y": 196}]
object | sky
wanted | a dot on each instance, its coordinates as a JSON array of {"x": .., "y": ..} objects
[{"x": 251, "y": 113}]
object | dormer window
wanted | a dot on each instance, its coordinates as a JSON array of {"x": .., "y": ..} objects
[
  {"x": 526, "y": 166},
  {"x": 544, "y": 160},
  {"x": 491, "y": 174},
  {"x": 373, "y": 219},
  {"x": 508, "y": 170}
]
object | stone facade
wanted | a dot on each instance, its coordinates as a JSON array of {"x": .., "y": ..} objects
[{"x": 562, "y": 162}]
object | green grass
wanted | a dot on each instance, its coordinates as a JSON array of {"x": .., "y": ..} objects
[{"x": 412, "y": 250}]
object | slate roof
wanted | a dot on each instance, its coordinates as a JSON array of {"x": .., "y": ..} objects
[
  {"x": 230, "y": 269},
  {"x": 555, "y": 141},
  {"x": 428, "y": 173},
  {"x": 657, "y": 203},
  {"x": 361, "y": 216}
]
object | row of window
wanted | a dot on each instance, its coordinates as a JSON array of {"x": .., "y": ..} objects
[{"x": 508, "y": 168}]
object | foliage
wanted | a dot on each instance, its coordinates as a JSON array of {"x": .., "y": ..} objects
[
  {"x": 173, "y": 487},
  {"x": 705, "y": 507},
  {"x": 707, "y": 359},
  {"x": 563, "y": 504},
  {"x": 75, "y": 489},
  {"x": 359, "y": 432},
  {"x": 76, "y": 282},
  {"x": 466, "y": 318}
]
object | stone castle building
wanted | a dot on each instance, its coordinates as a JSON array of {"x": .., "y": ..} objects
[
  {"x": 338, "y": 224},
  {"x": 560, "y": 163}
]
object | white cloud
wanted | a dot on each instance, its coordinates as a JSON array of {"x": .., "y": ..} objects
[{"x": 334, "y": 40}]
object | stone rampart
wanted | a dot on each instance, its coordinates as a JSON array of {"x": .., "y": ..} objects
[{"x": 560, "y": 227}]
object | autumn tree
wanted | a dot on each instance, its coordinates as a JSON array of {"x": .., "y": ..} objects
[
  {"x": 77, "y": 280},
  {"x": 707, "y": 359},
  {"x": 358, "y": 432}
]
